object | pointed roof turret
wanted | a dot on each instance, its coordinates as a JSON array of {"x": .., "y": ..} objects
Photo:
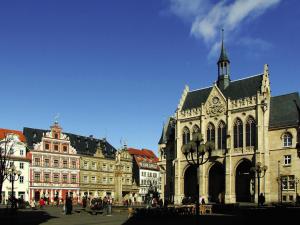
[{"x": 223, "y": 55}]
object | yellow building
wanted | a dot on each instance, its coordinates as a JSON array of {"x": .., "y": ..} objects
[
  {"x": 248, "y": 126},
  {"x": 102, "y": 175}
]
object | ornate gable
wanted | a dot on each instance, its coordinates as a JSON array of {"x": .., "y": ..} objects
[{"x": 215, "y": 104}]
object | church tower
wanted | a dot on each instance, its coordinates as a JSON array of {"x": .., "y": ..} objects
[{"x": 223, "y": 67}]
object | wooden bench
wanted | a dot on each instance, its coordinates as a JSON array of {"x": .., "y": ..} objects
[{"x": 205, "y": 209}]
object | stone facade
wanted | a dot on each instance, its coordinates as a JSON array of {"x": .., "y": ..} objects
[
  {"x": 101, "y": 176},
  {"x": 248, "y": 127}
]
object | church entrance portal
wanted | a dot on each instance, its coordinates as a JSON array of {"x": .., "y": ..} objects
[
  {"x": 217, "y": 183},
  {"x": 190, "y": 182},
  {"x": 242, "y": 182}
]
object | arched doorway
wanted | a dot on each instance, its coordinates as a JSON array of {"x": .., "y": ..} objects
[
  {"x": 243, "y": 181},
  {"x": 37, "y": 195},
  {"x": 190, "y": 182},
  {"x": 216, "y": 183}
]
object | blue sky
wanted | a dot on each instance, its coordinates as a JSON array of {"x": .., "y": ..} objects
[{"x": 116, "y": 69}]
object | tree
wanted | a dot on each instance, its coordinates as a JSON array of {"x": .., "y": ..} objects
[{"x": 7, "y": 144}]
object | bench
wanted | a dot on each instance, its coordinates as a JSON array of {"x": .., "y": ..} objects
[{"x": 205, "y": 209}]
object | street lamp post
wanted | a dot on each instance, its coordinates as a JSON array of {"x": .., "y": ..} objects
[
  {"x": 259, "y": 172},
  {"x": 13, "y": 175},
  {"x": 195, "y": 152}
]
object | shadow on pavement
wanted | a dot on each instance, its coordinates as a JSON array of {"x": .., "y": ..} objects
[
  {"x": 24, "y": 217},
  {"x": 239, "y": 217}
]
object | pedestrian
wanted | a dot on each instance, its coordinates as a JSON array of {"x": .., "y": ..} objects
[
  {"x": 261, "y": 199},
  {"x": 109, "y": 205},
  {"x": 33, "y": 204},
  {"x": 84, "y": 201}
]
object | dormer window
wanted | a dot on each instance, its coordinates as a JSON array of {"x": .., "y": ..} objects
[
  {"x": 65, "y": 148},
  {"x": 287, "y": 140},
  {"x": 56, "y": 135}
]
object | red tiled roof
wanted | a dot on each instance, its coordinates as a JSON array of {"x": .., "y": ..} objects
[
  {"x": 144, "y": 156},
  {"x": 4, "y": 132},
  {"x": 143, "y": 152}
]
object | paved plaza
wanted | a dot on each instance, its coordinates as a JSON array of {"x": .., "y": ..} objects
[
  {"x": 55, "y": 216},
  {"x": 229, "y": 216}
]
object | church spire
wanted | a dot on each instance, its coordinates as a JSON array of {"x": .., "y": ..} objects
[{"x": 223, "y": 67}]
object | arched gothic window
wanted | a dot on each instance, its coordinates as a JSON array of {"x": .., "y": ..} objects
[
  {"x": 238, "y": 134},
  {"x": 287, "y": 140},
  {"x": 211, "y": 133},
  {"x": 196, "y": 129},
  {"x": 185, "y": 136},
  {"x": 222, "y": 135},
  {"x": 251, "y": 132}
]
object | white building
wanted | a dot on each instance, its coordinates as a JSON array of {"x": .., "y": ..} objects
[
  {"x": 145, "y": 171},
  {"x": 16, "y": 145}
]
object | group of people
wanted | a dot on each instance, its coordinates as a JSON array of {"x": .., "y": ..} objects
[
  {"x": 17, "y": 203},
  {"x": 104, "y": 204}
]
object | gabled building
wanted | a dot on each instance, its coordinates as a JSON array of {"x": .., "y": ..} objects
[
  {"x": 248, "y": 126},
  {"x": 14, "y": 142},
  {"x": 146, "y": 171},
  {"x": 54, "y": 170}
]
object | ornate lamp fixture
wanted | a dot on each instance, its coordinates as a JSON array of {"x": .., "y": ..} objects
[{"x": 197, "y": 153}]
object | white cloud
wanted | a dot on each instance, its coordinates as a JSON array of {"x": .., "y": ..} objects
[{"x": 207, "y": 19}]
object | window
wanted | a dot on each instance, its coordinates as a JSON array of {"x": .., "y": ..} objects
[
  {"x": 284, "y": 198},
  {"x": 210, "y": 133},
  {"x": 222, "y": 135},
  {"x": 65, "y": 148},
  {"x": 56, "y": 147},
  {"x": 238, "y": 134},
  {"x": 104, "y": 166},
  {"x": 47, "y": 177},
  {"x": 127, "y": 181},
  {"x": 55, "y": 135},
  {"x": 93, "y": 179},
  {"x": 21, "y": 179},
  {"x": 37, "y": 177},
  {"x": 47, "y": 146},
  {"x": 74, "y": 164},
  {"x": 291, "y": 198},
  {"x": 110, "y": 180},
  {"x": 154, "y": 175},
  {"x": 65, "y": 178},
  {"x": 196, "y": 129},
  {"x": 11, "y": 164},
  {"x": 185, "y": 136},
  {"x": 56, "y": 177},
  {"x": 21, "y": 165},
  {"x": 73, "y": 178},
  {"x": 55, "y": 163},
  {"x": 65, "y": 164},
  {"x": 36, "y": 161},
  {"x": 11, "y": 151},
  {"x": 104, "y": 179},
  {"x": 21, "y": 152},
  {"x": 288, "y": 182},
  {"x": 251, "y": 132},
  {"x": 287, "y": 140},
  {"x": 85, "y": 179},
  {"x": 287, "y": 160},
  {"x": 111, "y": 167},
  {"x": 94, "y": 166},
  {"x": 46, "y": 162},
  {"x": 85, "y": 165}
]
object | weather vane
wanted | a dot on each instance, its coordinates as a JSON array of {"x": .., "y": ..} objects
[{"x": 56, "y": 118}]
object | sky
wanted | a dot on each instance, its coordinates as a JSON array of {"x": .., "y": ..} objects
[{"x": 117, "y": 69}]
